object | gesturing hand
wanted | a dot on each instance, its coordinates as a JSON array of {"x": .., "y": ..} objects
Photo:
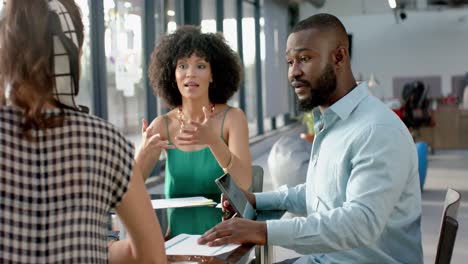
[
  {"x": 151, "y": 141},
  {"x": 236, "y": 231},
  {"x": 196, "y": 133}
]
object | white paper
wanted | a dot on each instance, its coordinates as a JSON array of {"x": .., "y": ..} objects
[
  {"x": 182, "y": 202},
  {"x": 187, "y": 245}
]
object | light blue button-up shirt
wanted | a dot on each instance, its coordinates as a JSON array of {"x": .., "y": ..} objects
[{"x": 361, "y": 202}]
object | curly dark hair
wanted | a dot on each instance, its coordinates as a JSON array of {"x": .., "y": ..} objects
[{"x": 185, "y": 41}]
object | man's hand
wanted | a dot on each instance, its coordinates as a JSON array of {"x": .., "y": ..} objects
[{"x": 236, "y": 231}]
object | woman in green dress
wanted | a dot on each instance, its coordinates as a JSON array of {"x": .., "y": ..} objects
[{"x": 196, "y": 74}]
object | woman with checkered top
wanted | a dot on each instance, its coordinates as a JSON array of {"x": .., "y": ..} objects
[{"x": 62, "y": 170}]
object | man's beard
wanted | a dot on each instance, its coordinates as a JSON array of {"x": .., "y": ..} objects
[{"x": 321, "y": 91}]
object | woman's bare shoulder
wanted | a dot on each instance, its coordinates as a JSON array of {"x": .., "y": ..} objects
[
  {"x": 236, "y": 114},
  {"x": 160, "y": 123}
]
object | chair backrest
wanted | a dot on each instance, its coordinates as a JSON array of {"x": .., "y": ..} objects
[
  {"x": 257, "y": 179},
  {"x": 448, "y": 228}
]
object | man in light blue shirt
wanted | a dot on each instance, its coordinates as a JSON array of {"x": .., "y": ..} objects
[{"x": 361, "y": 202}]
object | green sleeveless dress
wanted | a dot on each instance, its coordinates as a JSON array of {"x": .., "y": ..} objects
[{"x": 192, "y": 173}]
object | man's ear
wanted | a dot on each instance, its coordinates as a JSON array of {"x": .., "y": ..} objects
[{"x": 341, "y": 56}]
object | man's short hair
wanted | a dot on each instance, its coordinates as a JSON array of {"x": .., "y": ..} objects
[{"x": 325, "y": 23}]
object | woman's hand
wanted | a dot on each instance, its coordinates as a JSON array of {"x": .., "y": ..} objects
[
  {"x": 151, "y": 141},
  {"x": 150, "y": 149},
  {"x": 197, "y": 133}
]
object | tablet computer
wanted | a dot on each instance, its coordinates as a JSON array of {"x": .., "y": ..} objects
[{"x": 236, "y": 197}]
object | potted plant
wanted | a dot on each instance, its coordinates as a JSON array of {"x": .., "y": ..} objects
[{"x": 308, "y": 120}]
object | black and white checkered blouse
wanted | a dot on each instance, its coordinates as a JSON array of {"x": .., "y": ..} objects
[{"x": 55, "y": 194}]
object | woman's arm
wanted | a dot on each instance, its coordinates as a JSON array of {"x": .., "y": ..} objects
[
  {"x": 235, "y": 157},
  {"x": 145, "y": 243}
]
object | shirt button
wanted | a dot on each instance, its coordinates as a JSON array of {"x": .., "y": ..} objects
[
  {"x": 320, "y": 127},
  {"x": 314, "y": 159}
]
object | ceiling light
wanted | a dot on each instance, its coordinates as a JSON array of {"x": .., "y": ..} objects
[
  {"x": 171, "y": 13},
  {"x": 392, "y": 4}
]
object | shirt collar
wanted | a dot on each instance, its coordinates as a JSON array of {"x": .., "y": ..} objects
[{"x": 350, "y": 101}]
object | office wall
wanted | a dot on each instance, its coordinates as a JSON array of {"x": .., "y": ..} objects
[{"x": 427, "y": 43}]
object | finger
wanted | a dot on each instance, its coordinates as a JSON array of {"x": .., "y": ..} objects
[
  {"x": 223, "y": 199},
  {"x": 184, "y": 137},
  {"x": 167, "y": 146},
  {"x": 195, "y": 124},
  {"x": 189, "y": 130},
  {"x": 214, "y": 234},
  {"x": 187, "y": 143},
  {"x": 228, "y": 208},
  {"x": 228, "y": 215},
  {"x": 164, "y": 144},
  {"x": 207, "y": 114},
  {"x": 155, "y": 138},
  {"x": 221, "y": 241},
  {"x": 144, "y": 125},
  {"x": 205, "y": 238}
]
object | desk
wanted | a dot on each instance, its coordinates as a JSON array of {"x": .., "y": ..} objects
[{"x": 197, "y": 220}]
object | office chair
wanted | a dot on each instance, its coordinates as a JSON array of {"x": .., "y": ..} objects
[
  {"x": 257, "y": 186},
  {"x": 416, "y": 105},
  {"x": 449, "y": 227},
  {"x": 257, "y": 178}
]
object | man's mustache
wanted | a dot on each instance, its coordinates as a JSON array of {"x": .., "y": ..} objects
[{"x": 300, "y": 82}]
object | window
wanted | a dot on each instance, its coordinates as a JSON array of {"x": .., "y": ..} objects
[
  {"x": 230, "y": 34},
  {"x": 123, "y": 48},
  {"x": 248, "y": 43},
  {"x": 85, "y": 95},
  {"x": 208, "y": 16}
]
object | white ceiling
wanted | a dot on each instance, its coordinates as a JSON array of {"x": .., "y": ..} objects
[{"x": 365, "y": 7}]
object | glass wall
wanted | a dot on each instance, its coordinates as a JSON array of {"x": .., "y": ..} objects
[
  {"x": 267, "y": 122},
  {"x": 123, "y": 48},
  {"x": 230, "y": 34},
  {"x": 85, "y": 94},
  {"x": 121, "y": 29},
  {"x": 172, "y": 13},
  {"x": 208, "y": 16},
  {"x": 248, "y": 43}
]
